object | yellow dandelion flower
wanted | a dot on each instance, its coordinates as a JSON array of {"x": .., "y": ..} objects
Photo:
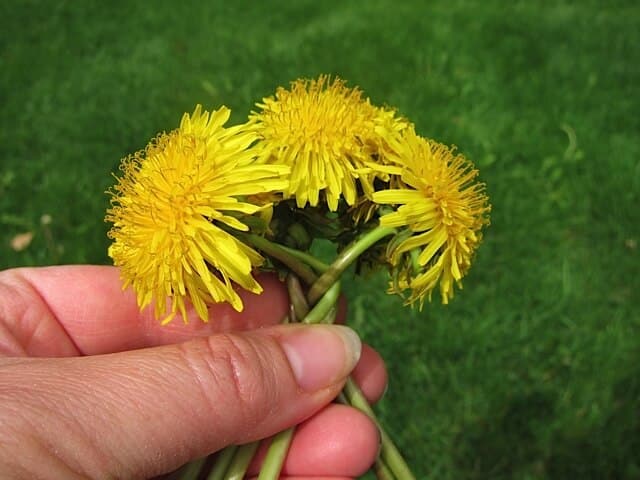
[
  {"x": 442, "y": 209},
  {"x": 326, "y": 132},
  {"x": 174, "y": 206}
]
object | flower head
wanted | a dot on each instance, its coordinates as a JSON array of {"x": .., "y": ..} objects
[
  {"x": 174, "y": 206},
  {"x": 441, "y": 210},
  {"x": 327, "y": 133}
]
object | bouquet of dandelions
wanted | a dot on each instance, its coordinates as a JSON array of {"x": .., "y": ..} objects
[{"x": 204, "y": 206}]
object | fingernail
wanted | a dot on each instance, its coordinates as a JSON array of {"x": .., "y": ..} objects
[{"x": 321, "y": 355}]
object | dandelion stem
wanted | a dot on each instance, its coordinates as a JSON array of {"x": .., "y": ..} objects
[
  {"x": 241, "y": 460},
  {"x": 299, "y": 305},
  {"x": 310, "y": 260},
  {"x": 283, "y": 255},
  {"x": 345, "y": 259},
  {"x": 324, "y": 306},
  {"x": 389, "y": 452},
  {"x": 382, "y": 471},
  {"x": 276, "y": 454},
  {"x": 191, "y": 471},
  {"x": 221, "y": 465}
]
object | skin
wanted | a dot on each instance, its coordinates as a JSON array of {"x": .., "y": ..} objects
[{"x": 90, "y": 387}]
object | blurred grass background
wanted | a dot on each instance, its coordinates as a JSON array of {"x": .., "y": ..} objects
[{"x": 534, "y": 370}]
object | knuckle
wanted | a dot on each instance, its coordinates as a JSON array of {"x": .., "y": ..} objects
[{"x": 232, "y": 379}]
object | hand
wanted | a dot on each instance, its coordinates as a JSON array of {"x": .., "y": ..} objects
[{"x": 91, "y": 387}]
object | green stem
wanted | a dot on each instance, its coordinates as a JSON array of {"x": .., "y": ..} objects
[
  {"x": 283, "y": 255},
  {"x": 382, "y": 471},
  {"x": 299, "y": 305},
  {"x": 324, "y": 306},
  {"x": 330, "y": 317},
  {"x": 276, "y": 454},
  {"x": 221, "y": 465},
  {"x": 345, "y": 259},
  {"x": 310, "y": 260},
  {"x": 389, "y": 452},
  {"x": 241, "y": 461},
  {"x": 191, "y": 470}
]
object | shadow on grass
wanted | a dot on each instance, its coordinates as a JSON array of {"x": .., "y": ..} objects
[
  {"x": 519, "y": 440},
  {"x": 498, "y": 446},
  {"x": 609, "y": 450}
]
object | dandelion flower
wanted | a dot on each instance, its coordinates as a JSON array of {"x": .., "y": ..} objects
[
  {"x": 440, "y": 212},
  {"x": 326, "y": 132},
  {"x": 174, "y": 207}
]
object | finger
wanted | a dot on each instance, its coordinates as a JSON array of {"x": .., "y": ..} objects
[
  {"x": 371, "y": 374},
  {"x": 339, "y": 440},
  {"x": 146, "y": 412},
  {"x": 61, "y": 311}
]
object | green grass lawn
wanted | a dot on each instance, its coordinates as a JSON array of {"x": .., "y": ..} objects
[{"x": 533, "y": 371}]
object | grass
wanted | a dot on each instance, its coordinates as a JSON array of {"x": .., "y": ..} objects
[{"x": 534, "y": 370}]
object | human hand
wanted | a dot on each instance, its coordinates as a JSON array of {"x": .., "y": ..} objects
[{"x": 91, "y": 387}]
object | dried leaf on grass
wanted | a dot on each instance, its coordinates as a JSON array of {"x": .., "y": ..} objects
[{"x": 21, "y": 241}]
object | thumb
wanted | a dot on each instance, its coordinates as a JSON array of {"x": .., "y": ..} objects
[{"x": 145, "y": 412}]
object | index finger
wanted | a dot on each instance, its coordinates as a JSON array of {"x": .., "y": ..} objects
[{"x": 55, "y": 310}]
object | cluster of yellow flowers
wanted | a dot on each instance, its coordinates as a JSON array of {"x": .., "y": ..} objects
[{"x": 179, "y": 204}]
